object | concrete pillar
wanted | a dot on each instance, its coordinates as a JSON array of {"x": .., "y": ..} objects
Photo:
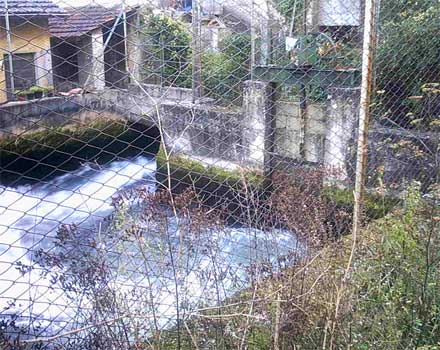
[
  {"x": 134, "y": 48},
  {"x": 256, "y": 123},
  {"x": 315, "y": 133},
  {"x": 91, "y": 61},
  {"x": 341, "y": 134},
  {"x": 313, "y": 14},
  {"x": 43, "y": 68}
]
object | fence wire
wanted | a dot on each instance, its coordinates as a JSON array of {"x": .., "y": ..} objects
[{"x": 181, "y": 174}]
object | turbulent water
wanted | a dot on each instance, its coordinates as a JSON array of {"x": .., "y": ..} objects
[{"x": 30, "y": 217}]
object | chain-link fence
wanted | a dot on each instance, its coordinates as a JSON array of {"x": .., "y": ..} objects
[{"x": 219, "y": 174}]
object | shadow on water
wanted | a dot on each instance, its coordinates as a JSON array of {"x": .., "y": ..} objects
[{"x": 44, "y": 155}]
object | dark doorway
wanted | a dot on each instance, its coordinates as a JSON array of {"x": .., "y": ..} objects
[
  {"x": 115, "y": 57},
  {"x": 65, "y": 63}
]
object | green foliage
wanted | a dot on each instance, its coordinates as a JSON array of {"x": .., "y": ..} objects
[
  {"x": 169, "y": 44},
  {"x": 396, "y": 282},
  {"x": 408, "y": 55},
  {"x": 223, "y": 72},
  {"x": 391, "y": 299},
  {"x": 238, "y": 47},
  {"x": 34, "y": 89},
  {"x": 285, "y": 7},
  {"x": 218, "y": 76}
]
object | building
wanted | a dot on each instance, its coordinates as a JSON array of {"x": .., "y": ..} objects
[
  {"x": 337, "y": 17},
  {"x": 28, "y": 42},
  {"x": 94, "y": 47}
]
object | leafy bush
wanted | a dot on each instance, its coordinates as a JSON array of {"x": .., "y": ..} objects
[
  {"x": 218, "y": 76},
  {"x": 396, "y": 280},
  {"x": 169, "y": 45},
  {"x": 223, "y": 72},
  {"x": 408, "y": 55},
  {"x": 391, "y": 298}
]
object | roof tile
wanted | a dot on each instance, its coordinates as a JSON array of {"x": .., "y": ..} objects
[
  {"x": 26, "y": 8},
  {"x": 81, "y": 20}
]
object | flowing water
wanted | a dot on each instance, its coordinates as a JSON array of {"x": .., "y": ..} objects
[{"x": 30, "y": 217}]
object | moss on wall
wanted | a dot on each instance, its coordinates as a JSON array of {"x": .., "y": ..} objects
[
  {"x": 196, "y": 170},
  {"x": 217, "y": 185},
  {"x": 375, "y": 206},
  {"x": 51, "y": 152}
]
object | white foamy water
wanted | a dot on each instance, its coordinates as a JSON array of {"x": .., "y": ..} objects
[
  {"x": 208, "y": 269},
  {"x": 31, "y": 215}
]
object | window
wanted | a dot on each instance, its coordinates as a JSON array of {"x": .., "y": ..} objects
[{"x": 23, "y": 71}]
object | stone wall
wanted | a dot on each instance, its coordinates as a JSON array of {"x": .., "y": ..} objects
[{"x": 198, "y": 131}]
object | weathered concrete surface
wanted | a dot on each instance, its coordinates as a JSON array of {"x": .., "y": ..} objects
[
  {"x": 341, "y": 130},
  {"x": 17, "y": 117},
  {"x": 91, "y": 61},
  {"x": 329, "y": 129},
  {"x": 288, "y": 131},
  {"x": 209, "y": 133},
  {"x": 255, "y": 110},
  {"x": 200, "y": 131},
  {"x": 238, "y": 138}
]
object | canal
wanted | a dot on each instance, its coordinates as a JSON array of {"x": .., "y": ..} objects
[{"x": 47, "y": 188}]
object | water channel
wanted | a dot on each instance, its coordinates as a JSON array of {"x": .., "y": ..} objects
[{"x": 30, "y": 218}]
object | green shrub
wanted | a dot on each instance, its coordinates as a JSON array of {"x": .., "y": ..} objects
[
  {"x": 390, "y": 300},
  {"x": 407, "y": 56},
  {"x": 169, "y": 44},
  {"x": 224, "y": 72},
  {"x": 396, "y": 280}
]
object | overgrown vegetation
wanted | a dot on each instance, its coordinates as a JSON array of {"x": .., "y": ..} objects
[
  {"x": 391, "y": 300},
  {"x": 408, "y": 59},
  {"x": 224, "y": 72},
  {"x": 169, "y": 48},
  {"x": 169, "y": 45}
]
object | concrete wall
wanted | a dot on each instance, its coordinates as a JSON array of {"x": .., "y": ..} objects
[
  {"x": 91, "y": 60},
  {"x": 291, "y": 134},
  {"x": 135, "y": 48},
  {"x": 165, "y": 92},
  {"x": 214, "y": 134},
  {"x": 230, "y": 139},
  {"x": 28, "y": 37},
  {"x": 325, "y": 135},
  {"x": 342, "y": 115},
  {"x": 198, "y": 131}
]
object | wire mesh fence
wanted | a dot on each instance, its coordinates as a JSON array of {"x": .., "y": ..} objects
[{"x": 191, "y": 174}]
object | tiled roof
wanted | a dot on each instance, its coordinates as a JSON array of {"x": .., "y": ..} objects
[
  {"x": 25, "y": 8},
  {"x": 81, "y": 20}
]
